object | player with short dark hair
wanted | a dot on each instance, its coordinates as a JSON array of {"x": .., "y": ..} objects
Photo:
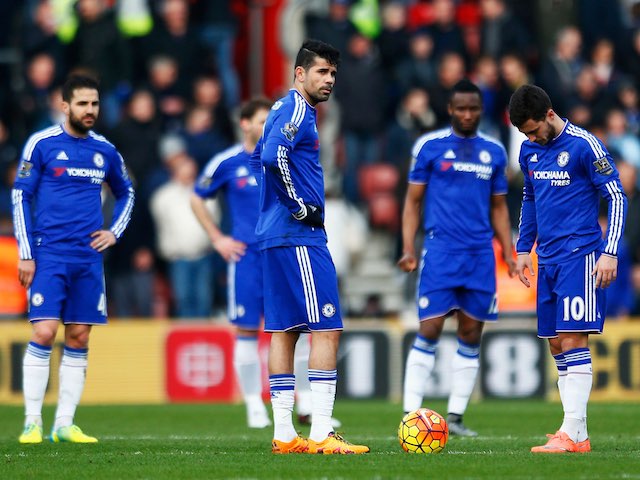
[
  {"x": 458, "y": 177},
  {"x": 229, "y": 173},
  {"x": 300, "y": 283},
  {"x": 57, "y": 213},
  {"x": 566, "y": 171}
]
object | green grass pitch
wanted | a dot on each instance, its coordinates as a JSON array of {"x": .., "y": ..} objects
[{"x": 212, "y": 441}]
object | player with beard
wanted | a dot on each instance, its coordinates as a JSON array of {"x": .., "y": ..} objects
[
  {"x": 567, "y": 170},
  {"x": 458, "y": 179},
  {"x": 300, "y": 282},
  {"x": 58, "y": 222}
]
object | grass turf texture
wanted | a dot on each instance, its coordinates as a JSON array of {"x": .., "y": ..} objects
[{"x": 212, "y": 441}]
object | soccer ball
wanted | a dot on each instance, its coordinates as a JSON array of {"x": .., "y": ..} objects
[{"x": 423, "y": 431}]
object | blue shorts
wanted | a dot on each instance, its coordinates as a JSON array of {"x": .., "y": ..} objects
[
  {"x": 568, "y": 300},
  {"x": 71, "y": 292},
  {"x": 245, "y": 302},
  {"x": 300, "y": 290},
  {"x": 457, "y": 281}
]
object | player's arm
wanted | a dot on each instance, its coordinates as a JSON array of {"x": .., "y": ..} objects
[
  {"x": 605, "y": 177},
  {"x": 528, "y": 229},
  {"x": 411, "y": 213},
  {"x": 502, "y": 228},
  {"x": 214, "y": 177},
  {"x": 255, "y": 163},
  {"x": 21, "y": 204},
  {"x": 24, "y": 189},
  {"x": 122, "y": 189},
  {"x": 281, "y": 140},
  {"x": 228, "y": 247},
  {"x": 499, "y": 210}
]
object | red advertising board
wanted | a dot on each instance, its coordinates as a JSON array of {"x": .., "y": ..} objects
[{"x": 200, "y": 364}]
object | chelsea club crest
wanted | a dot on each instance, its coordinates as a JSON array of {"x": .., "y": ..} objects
[
  {"x": 98, "y": 160},
  {"x": 563, "y": 158},
  {"x": 328, "y": 310}
]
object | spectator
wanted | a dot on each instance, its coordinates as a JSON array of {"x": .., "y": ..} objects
[
  {"x": 589, "y": 101},
  {"x": 486, "y": 75},
  {"x": 218, "y": 31},
  {"x": 7, "y": 10},
  {"x": 561, "y": 67},
  {"x": 631, "y": 64},
  {"x": 169, "y": 95},
  {"x": 393, "y": 41},
  {"x": 620, "y": 138},
  {"x": 130, "y": 267},
  {"x": 331, "y": 153},
  {"x": 451, "y": 70},
  {"x": 393, "y": 45},
  {"x": 447, "y": 35},
  {"x": 514, "y": 73},
  {"x": 334, "y": 27},
  {"x": 99, "y": 47},
  {"x": 8, "y": 151},
  {"x": 172, "y": 36},
  {"x": 418, "y": 70},
  {"x": 207, "y": 92},
  {"x": 599, "y": 19},
  {"x": 629, "y": 102},
  {"x": 181, "y": 242},
  {"x": 34, "y": 100},
  {"x": 412, "y": 118},
  {"x": 360, "y": 93},
  {"x": 136, "y": 137},
  {"x": 40, "y": 35},
  {"x": 501, "y": 32},
  {"x": 604, "y": 68},
  {"x": 202, "y": 138}
]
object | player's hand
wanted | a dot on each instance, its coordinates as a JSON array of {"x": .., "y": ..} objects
[
  {"x": 311, "y": 215},
  {"x": 408, "y": 262},
  {"x": 102, "y": 239},
  {"x": 524, "y": 263},
  {"x": 229, "y": 248},
  {"x": 511, "y": 265},
  {"x": 26, "y": 271},
  {"x": 606, "y": 271}
]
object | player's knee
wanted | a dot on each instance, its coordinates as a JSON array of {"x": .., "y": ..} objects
[
  {"x": 555, "y": 347},
  {"x": 470, "y": 336},
  {"x": 77, "y": 339},
  {"x": 572, "y": 341},
  {"x": 431, "y": 328},
  {"x": 44, "y": 336}
]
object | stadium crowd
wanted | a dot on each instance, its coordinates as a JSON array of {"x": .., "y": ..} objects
[{"x": 170, "y": 95}]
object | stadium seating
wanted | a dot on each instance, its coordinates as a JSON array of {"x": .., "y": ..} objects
[{"x": 378, "y": 183}]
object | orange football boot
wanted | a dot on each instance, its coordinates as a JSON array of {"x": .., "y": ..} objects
[
  {"x": 557, "y": 443},
  {"x": 335, "y": 444},
  {"x": 583, "y": 447},
  {"x": 297, "y": 445}
]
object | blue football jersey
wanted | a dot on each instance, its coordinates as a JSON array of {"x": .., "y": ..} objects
[
  {"x": 563, "y": 181},
  {"x": 461, "y": 175},
  {"x": 56, "y": 195},
  {"x": 291, "y": 174},
  {"x": 229, "y": 172}
]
